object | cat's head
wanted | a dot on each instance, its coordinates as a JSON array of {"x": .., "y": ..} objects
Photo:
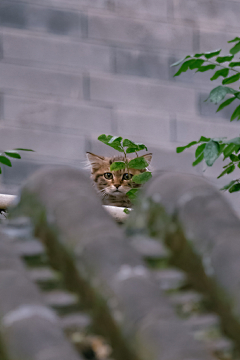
[{"x": 115, "y": 183}]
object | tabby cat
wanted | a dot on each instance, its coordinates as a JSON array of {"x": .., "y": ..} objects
[{"x": 113, "y": 185}]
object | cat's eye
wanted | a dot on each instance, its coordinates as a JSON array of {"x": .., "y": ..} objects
[
  {"x": 108, "y": 176},
  {"x": 127, "y": 176}
]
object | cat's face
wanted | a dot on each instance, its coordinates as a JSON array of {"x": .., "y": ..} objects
[{"x": 114, "y": 183}]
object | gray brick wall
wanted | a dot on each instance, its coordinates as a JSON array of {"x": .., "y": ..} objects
[{"x": 71, "y": 70}]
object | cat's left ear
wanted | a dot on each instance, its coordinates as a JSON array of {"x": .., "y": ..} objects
[{"x": 148, "y": 157}]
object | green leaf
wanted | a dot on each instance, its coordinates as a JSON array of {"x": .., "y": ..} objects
[
  {"x": 211, "y": 152},
  {"x": 234, "y": 188},
  {"x": 0, "y": 170},
  {"x": 221, "y": 147},
  {"x": 185, "y": 66},
  {"x": 142, "y": 178},
  {"x": 235, "y": 141},
  {"x": 237, "y": 148},
  {"x": 131, "y": 150},
  {"x": 234, "y": 157},
  {"x": 231, "y": 79},
  {"x": 226, "y": 187},
  {"x": 226, "y": 103},
  {"x": 113, "y": 141},
  {"x": 138, "y": 163},
  {"x": 180, "y": 61},
  {"x": 4, "y": 160},
  {"x": 21, "y": 149},
  {"x": 222, "y": 72},
  {"x": 234, "y": 50},
  {"x": 132, "y": 145},
  {"x": 222, "y": 59},
  {"x": 228, "y": 150},
  {"x": 234, "y": 40},
  {"x": 234, "y": 63},
  {"x": 206, "y": 68},
  {"x": 126, "y": 211},
  {"x": 196, "y": 64},
  {"x": 236, "y": 114},
  {"x": 182, "y": 148},
  {"x": 223, "y": 173},
  {"x": 13, "y": 154},
  {"x": 199, "y": 150},
  {"x": 198, "y": 55},
  {"x": 132, "y": 194},
  {"x": 105, "y": 138},
  {"x": 198, "y": 160},
  {"x": 117, "y": 165},
  {"x": 204, "y": 139},
  {"x": 127, "y": 142},
  {"x": 211, "y": 54},
  {"x": 228, "y": 170},
  {"x": 218, "y": 93}
]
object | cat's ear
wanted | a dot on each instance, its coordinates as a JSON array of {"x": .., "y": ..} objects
[
  {"x": 94, "y": 160},
  {"x": 148, "y": 157}
]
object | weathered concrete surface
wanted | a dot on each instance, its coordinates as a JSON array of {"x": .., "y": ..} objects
[
  {"x": 207, "y": 243},
  {"x": 95, "y": 257},
  {"x": 29, "y": 329}
]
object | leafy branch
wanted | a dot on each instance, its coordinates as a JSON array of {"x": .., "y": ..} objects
[
  {"x": 209, "y": 149},
  {"x": 4, "y": 156}
]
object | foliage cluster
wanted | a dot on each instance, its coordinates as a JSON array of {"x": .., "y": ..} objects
[{"x": 227, "y": 67}]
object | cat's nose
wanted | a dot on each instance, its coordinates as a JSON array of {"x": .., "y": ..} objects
[{"x": 117, "y": 186}]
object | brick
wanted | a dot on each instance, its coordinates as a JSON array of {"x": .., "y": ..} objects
[
  {"x": 140, "y": 8},
  {"x": 209, "y": 109},
  {"x": 166, "y": 159},
  {"x": 39, "y": 18},
  {"x": 55, "y": 52},
  {"x": 144, "y": 126},
  {"x": 139, "y": 63},
  {"x": 60, "y": 22},
  {"x": 146, "y": 33},
  {"x": 218, "y": 14},
  {"x": 71, "y": 118},
  {"x": 191, "y": 130},
  {"x": 45, "y": 143},
  {"x": 13, "y": 15},
  {"x": 141, "y": 93},
  {"x": 40, "y": 81}
]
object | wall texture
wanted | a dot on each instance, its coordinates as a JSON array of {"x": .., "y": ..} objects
[{"x": 73, "y": 69}]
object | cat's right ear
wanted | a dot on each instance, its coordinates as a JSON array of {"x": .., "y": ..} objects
[{"x": 95, "y": 161}]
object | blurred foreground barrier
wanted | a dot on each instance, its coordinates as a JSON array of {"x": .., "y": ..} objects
[
  {"x": 116, "y": 212},
  {"x": 203, "y": 233},
  {"x": 98, "y": 263},
  {"x": 29, "y": 329}
]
